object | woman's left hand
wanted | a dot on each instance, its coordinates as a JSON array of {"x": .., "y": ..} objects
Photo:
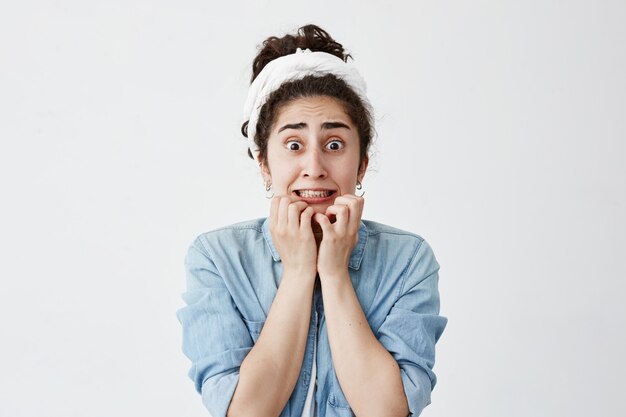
[{"x": 338, "y": 238}]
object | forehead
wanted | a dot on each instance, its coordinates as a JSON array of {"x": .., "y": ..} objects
[{"x": 322, "y": 107}]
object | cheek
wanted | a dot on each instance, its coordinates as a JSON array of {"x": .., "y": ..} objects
[
  {"x": 283, "y": 175},
  {"x": 348, "y": 181}
]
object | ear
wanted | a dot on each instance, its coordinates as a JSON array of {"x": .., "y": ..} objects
[{"x": 362, "y": 169}]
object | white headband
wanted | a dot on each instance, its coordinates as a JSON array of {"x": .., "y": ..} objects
[{"x": 294, "y": 67}]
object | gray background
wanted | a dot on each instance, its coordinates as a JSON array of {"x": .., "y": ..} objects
[{"x": 501, "y": 136}]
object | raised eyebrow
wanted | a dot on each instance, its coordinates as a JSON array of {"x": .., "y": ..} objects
[
  {"x": 334, "y": 125},
  {"x": 293, "y": 126},
  {"x": 325, "y": 126}
]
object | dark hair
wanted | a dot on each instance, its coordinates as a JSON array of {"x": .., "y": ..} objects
[{"x": 316, "y": 39}]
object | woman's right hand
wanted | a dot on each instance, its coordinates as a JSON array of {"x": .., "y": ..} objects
[{"x": 292, "y": 234}]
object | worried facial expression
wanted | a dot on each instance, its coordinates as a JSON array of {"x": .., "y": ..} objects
[{"x": 313, "y": 152}]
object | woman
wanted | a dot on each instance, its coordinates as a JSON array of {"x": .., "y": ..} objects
[{"x": 312, "y": 311}]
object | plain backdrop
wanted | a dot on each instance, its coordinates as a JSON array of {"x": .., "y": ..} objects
[{"x": 501, "y": 133}]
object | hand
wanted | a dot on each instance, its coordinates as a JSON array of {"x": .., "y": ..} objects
[
  {"x": 339, "y": 238},
  {"x": 292, "y": 235}
]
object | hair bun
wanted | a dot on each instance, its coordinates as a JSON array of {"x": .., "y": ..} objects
[{"x": 307, "y": 37}]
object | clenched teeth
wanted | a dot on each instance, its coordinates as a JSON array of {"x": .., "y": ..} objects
[{"x": 313, "y": 194}]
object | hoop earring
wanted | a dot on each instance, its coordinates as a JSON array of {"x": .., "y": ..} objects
[
  {"x": 359, "y": 186},
  {"x": 268, "y": 187}
]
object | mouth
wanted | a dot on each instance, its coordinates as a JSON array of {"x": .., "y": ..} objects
[{"x": 315, "y": 195}]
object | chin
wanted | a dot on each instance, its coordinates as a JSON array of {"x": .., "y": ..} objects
[{"x": 320, "y": 208}]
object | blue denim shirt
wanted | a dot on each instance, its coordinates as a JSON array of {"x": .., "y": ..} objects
[{"x": 233, "y": 274}]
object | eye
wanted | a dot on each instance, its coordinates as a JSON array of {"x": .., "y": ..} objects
[
  {"x": 294, "y": 145},
  {"x": 335, "y": 145}
]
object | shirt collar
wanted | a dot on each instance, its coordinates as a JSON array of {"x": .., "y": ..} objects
[{"x": 355, "y": 257}]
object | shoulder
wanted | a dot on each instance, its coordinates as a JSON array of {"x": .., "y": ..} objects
[
  {"x": 226, "y": 236},
  {"x": 375, "y": 228},
  {"x": 383, "y": 234},
  {"x": 401, "y": 245},
  {"x": 255, "y": 224}
]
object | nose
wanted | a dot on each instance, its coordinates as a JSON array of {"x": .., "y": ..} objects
[{"x": 313, "y": 164}]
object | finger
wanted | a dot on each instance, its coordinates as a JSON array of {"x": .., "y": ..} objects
[
  {"x": 355, "y": 219},
  {"x": 305, "y": 218},
  {"x": 294, "y": 212},
  {"x": 355, "y": 205},
  {"x": 341, "y": 213},
  {"x": 349, "y": 200},
  {"x": 274, "y": 211},
  {"x": 283, "y": 211},
  {"x": 324, "y": 223}
]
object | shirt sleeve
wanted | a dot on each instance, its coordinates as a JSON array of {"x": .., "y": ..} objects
[
  {"x": 215, "y": 337},
  {"x": 413, "y": 326}
]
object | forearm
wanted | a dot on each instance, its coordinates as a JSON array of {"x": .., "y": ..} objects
[
  {"x": 369, "y": 376},
  {"x": 270, "y": 371}
]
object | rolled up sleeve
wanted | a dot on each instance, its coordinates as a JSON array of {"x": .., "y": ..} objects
[
  {"x": 215, "y": 337},
  {"x": 413, "y": 327}
]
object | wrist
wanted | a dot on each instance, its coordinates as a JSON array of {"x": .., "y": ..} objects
[
  {"x": 302, "y": 272},
  {"x": 334, "y": 275}
]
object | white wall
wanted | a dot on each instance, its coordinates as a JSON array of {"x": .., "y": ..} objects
[{"x": 501, "y": 133}]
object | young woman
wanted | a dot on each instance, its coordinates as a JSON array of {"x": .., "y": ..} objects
[{"x": 312, "y": 311}]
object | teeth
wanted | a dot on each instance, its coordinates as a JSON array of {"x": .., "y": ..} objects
[{"x": 314, "y": 194}]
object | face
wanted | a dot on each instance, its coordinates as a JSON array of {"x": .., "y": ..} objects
[{"x": 313, "y": 152}]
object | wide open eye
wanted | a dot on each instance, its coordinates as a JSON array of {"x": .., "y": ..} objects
[
  {"x": 335, "y": 145},
  {"x": 294, "y": 145}
]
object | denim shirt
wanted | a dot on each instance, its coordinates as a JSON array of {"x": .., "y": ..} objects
[{"x": 233, "y": 275}]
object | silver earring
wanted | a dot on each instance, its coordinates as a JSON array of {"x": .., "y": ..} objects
[
  {"x": 268, "y": 188},
  {"x": 359, "y": 186}
]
